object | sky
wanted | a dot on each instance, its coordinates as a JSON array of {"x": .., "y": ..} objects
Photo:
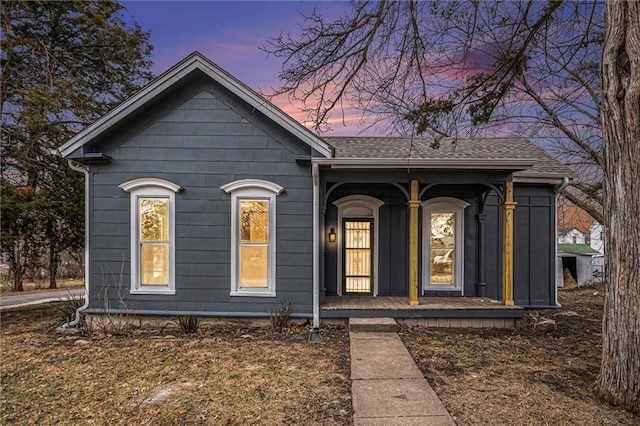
[{"x": 230, "y": 33}]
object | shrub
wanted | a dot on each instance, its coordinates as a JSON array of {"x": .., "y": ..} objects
[
  {"x": 279, "y": 316},
  {"x": 188, "y": 324}
]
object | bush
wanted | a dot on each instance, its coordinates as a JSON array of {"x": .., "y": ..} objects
[
  {"x": 188, "y": 324},
  {"x": 279, "y": 316}
]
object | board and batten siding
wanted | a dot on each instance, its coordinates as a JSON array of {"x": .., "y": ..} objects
[
  {"x": 201, "y": 137},
  {"x": 534, "y": 236},
  {"x": 534, "y": 229}
]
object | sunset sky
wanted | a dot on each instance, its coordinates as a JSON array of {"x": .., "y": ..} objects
[{"x": 230, "y": 34}]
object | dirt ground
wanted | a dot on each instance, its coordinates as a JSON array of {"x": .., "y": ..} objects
[
  {"x": 229, "y": 374},
  {"x": 533, "y": 375}
]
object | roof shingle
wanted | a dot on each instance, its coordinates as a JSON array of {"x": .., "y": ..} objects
[{"x": 477, "y": 148}]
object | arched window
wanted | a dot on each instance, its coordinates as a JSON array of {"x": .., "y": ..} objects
[
  {"x": 253, "y": 237},
  {"x": 442, "y": 244},
  {"x": 152, "y": 235}
]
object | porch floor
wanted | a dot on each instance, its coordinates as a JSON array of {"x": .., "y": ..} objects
[{"x": 429, "y": 307}]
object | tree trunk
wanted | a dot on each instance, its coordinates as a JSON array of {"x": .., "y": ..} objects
[
  {"x": 17, "y": 279},
  {"x": 17, "y": 268},
  {"x": 54, "y": 262},
  {"x": 619, "y": 379}
]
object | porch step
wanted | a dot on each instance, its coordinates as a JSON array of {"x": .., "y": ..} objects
[{"x": 379, "y": 325}]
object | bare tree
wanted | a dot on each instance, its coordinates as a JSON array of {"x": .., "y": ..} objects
[
  {"x": 619, "y": 379},
  {"x": 494, "y": 68},
  {"x": 460, "y": 69}
]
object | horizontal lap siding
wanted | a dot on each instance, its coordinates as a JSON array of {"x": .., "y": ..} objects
[{"x": 202, "y": 138}]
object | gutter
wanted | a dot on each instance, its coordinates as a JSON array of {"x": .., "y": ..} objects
[
  {"x": 85, "y": 171},
  {"x": 316, "y": 252},
  {"x": 514, "y": 164},
  {"x": 558, "y": 190}
]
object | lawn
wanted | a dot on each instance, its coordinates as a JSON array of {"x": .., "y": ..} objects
[
  {"x": 234, "y": 373},
  {"x": 36, "y": 287},
  {"x": 231, "y": 373},
  {"x": 534, "y": 375}
]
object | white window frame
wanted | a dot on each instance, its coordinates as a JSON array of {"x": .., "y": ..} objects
[
  {"x": 443, "y": 205},
  {"x": 253, "y": 189},
  {"x": 151, "y": 188}
]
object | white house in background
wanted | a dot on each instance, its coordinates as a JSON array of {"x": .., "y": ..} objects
[
  {"x": 571, "y": 236},
  {"x": 597, "y": 243},
  {"x": 596, "y": 232}
]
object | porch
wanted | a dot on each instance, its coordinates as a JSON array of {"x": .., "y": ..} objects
[{"x": 472, "y": 312}]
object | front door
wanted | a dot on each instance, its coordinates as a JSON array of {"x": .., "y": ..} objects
[{"x": 357, "y": 262}]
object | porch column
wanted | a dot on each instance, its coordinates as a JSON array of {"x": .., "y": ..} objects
[
  {"x": 413, "y": 204},
  {"x": 507, "y": 245}
]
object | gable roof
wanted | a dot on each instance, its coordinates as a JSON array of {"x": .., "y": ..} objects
[
  {"x": 573, "y": 217},
  {"x": 191, "y": 63},
  {"x": 518, "y": 153}
]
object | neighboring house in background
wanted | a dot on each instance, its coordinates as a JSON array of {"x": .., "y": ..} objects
[
  {"x": 214, "y": 202},
  {"x": 572, "y": 236},
  {"x": 575, "y": 226},
  {"x": 597, "y": 243},
  {"x": 596, "y": 240}
]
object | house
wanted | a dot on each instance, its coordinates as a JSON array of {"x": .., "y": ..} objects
[
  {"x": 596, "y": 241},
  {"x": 573, "y": 224},
  {"x": 596, "y": 237},
  {"x": 572, "y": 236},
  {"x": 204, "y": 198}
]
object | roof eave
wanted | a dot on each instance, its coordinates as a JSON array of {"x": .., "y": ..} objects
[{"x": 514, "y": 164}]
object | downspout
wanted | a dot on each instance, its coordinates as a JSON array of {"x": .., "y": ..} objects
[
  {"x": 85, "y": 171},
  {"x": 316, "y": 253},
  {"x": 558, "y": 191}
]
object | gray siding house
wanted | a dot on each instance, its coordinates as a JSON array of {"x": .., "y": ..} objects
[{"x": 204, "y": 198}]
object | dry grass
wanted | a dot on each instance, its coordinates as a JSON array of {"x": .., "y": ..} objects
[
  {"x": 534, "y": 375},
  {"x": 37, "y": 287},
  {"x": 232, "y": 373},
  {"x": 229, "y": 374}
]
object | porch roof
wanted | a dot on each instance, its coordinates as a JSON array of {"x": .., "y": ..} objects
[{"x": 518, "y": 154}]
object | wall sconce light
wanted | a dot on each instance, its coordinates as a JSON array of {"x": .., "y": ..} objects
[{"x": 332, "y": 235}]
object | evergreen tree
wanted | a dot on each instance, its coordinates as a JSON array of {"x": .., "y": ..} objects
[{"x": 64, "y": 64}]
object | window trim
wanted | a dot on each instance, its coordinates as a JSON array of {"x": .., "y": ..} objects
[
  {"x": 443, "y": 205},
  {"x": 150, "y": 188},
  {"x": 253, "y": 189}
]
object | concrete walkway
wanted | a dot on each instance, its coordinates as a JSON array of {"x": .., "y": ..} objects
[
  {"x": 37, "y": 298},
  {"x": 387, "y": 386}
]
